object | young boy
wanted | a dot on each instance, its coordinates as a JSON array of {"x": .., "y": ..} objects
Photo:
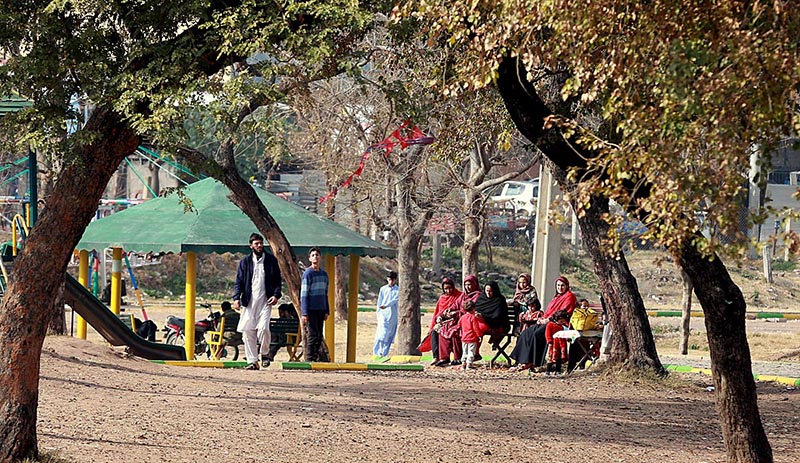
[
  {"x": 557, "y": 352},
  {"x": 470, "y": 336}
]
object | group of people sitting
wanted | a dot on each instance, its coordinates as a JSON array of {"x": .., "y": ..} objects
[{"x": 461, "y": 319}]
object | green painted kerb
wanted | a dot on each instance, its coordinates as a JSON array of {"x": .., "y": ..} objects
[{"x": 370, "y": 367}]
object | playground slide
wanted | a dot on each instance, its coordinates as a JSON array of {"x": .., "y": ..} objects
[{"x": 111, "y": 327}]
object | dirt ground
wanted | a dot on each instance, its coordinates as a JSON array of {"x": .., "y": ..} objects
[{"x": 98, "y": 405}]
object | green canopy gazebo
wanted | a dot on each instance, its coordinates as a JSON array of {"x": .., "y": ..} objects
[{"x": 215, "y": 224}]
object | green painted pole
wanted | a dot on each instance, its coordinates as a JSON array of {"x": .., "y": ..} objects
[{"x": 33, "y": 173}]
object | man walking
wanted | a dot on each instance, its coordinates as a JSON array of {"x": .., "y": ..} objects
[
  {"x": 314, "y": 303},
  {"x": 256, "y": 290}
]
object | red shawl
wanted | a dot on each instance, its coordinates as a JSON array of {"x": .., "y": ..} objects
[
  {"x": 446, "y": 301},
  {"x": 566, "y": 300},
  {"x": 472, "y": 296}
]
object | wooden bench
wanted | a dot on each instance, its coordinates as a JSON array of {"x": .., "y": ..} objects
[
  {"x": 129, "y": 320},
  {"x": 503, "y": 341},
  {"x": 285, "y": 332}
]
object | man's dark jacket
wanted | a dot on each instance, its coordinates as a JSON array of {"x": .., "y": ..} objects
[{"x": 242, "y": 288}]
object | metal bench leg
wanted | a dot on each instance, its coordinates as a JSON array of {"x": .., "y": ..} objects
[{"x": 501, "y": 350}]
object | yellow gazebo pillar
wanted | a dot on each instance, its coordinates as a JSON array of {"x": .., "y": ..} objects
[
  {"x": 116, "y": 279},
  {"x": 330, "y": 323},
  {"x": 191, "y": 293},
  {"x": 83, "y": 278},
  {"x": 352, "y": 310}
]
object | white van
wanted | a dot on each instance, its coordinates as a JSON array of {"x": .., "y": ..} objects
[{"x": 522, "y": 194}]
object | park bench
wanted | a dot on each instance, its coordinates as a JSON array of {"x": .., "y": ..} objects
[
  {"x": 226, "y": 335},
  {"x": 285, "y": 332},
  {"x": 129, "y": 320},
  {"x": 501, "y": 342}
]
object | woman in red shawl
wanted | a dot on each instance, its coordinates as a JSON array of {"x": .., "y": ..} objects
[
  {"x": 531, "y": 344},
  {"x": 525, "y": 301},
  {"x": 447, "y": 303},
  {"x": 449, "y": 331}
]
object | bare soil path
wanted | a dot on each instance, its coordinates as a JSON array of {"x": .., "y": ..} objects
[{"x": 97, "y": 406}]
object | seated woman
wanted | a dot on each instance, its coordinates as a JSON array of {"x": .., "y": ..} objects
[
  {"x": 530, "y": 349},
  {"x": 447, "y": 304},
  {"x": 557, "y": 350},
  {"x": 526, "y": 300},
  {"x": 491, "y": 310}
]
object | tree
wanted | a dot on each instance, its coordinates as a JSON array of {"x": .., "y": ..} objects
[
  {"x": 143, "y": 66},
  {"x": 633, "y": 345},
  {"x": 27, "y": 307},
  {"x": 478, "y": 138}
]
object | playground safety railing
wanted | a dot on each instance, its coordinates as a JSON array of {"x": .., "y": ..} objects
[{"x": 19, "y": 231}]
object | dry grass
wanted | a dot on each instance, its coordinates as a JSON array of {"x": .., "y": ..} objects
[{"x": 764, "y": 346}]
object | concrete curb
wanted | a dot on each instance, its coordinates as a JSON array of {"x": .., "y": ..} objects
[
  {"x": 748, "y": 315},
  {"x": 294, "y": 365},
  {"x": 764, "y": 378}
]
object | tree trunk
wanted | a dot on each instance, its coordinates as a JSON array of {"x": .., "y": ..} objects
[
  {"x": 633, "y": 344},
  {"x": 408, "y": 327},
  {"x": 411, "y": 222},
  {"x": 153, "y": 187},
  {"x": 27, "y": 307},
  {"x": 686, "y": 314},
  {"x": 58, "y": 325},
  {"x": 473, "y": 235},
  {"x": 342, "y": 264},
  {"x": 724, "y": 309},
  {"x": 121, "y": 185}
]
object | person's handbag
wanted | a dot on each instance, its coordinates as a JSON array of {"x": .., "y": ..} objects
[{"x": 584, "y": 319}]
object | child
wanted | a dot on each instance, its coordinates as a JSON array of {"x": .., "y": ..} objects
[
  {"x": 557, "y": 352},
  {"x": 470, "y": 334}
]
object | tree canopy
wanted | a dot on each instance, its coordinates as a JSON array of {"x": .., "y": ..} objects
[{"x": 684, "y": 92}]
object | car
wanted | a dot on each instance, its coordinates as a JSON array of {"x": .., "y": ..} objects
[{"x": 522, "y": 195}]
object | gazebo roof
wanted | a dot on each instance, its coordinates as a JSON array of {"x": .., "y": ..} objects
[{"x": 216, "y": 225}]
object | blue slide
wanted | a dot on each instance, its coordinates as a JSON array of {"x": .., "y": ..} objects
[{"x": 111, "y": 327}]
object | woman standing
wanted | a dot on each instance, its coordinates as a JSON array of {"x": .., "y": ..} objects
[
  {"x": 447, "y": 303},
  {"x": 531, "y": 344},
  {"x": 449, "y": 330}
]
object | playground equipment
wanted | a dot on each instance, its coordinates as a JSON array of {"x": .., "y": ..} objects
[{"x": 112, "y": 328}]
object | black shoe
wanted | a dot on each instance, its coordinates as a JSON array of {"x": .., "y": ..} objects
[
  {"x": 265, "y": 361},
  {"x": 252, "y": 366},
  {"x": 455, "y": 362},
  {"x": 477, "y": 357},
  {"x": 435, "y": 361},
  {"x": 442, "y": 363}
]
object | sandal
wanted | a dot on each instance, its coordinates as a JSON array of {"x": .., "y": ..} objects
[{"x": 522, "y": 367}]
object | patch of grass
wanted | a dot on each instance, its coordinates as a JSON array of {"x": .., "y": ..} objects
[
  {"x": 665, "y": 329},
  {"x": 784, "y": 265},
  {"x": 48, "y": 457}
]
